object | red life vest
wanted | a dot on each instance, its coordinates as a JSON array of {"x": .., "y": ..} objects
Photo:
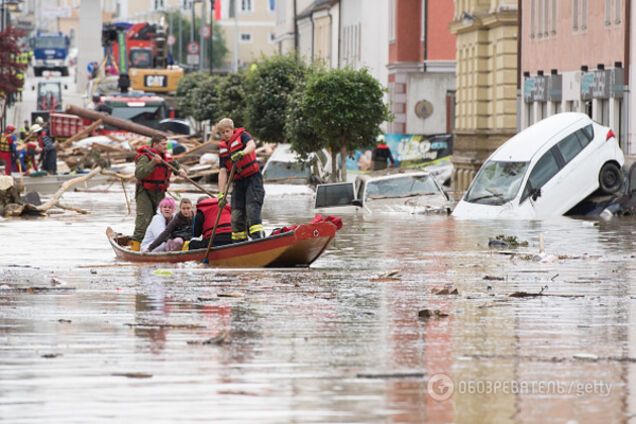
[
  {"x": 382, "y": 146},
  {"x": 247, "y": 165},
  {"x": 5, "y": 142},
  {"x": 210, "y": 208},
  {"x": 159, "y": 178}
]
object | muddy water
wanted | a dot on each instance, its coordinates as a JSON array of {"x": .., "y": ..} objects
[{"x": 84, "y": 338}]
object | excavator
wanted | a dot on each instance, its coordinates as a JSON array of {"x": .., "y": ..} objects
[{"x": 137, "y": 52}]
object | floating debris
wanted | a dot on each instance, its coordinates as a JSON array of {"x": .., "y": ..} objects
[
  {"x": 51, "y": 355},
  {"x": 162, "y": 272},
  {"x": 132, "y": 374},
  {"x": 427, "y": 313},
  {"x": 230, "y": 294},
  {"x": 220, "y": 339},
  {"x": 502, "y": 241},
  {"x": 392, "y": 375},
  {"x": 445, "y": 291},
  {"x": 493, "y": 278}
]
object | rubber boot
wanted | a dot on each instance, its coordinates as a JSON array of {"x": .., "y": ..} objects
[
  {"x": 135, "y": 246},
  {"x": 257, "y": 235}
]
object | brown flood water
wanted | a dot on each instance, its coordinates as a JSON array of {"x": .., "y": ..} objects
[{"x": 115, "y": 342}]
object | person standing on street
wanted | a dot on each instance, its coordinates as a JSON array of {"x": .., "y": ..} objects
[
  {"x": 7, "y": 139},
  {"x": 238, "y": 147},
  {"x": 153, "y": 180},
  {"x": 381, "y": 154}
]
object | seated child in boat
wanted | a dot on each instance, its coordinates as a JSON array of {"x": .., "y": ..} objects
[
  {"x": 159, "y": 222},
  {"x": 207, "y": 210},
  {"x": 178, "y": 231}
]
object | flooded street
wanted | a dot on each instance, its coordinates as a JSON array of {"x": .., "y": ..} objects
[{"x": 85, "y": 338}]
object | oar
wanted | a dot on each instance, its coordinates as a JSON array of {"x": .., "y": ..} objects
[
  {"x": 194, "y": 183},
  {"x": 220, "y": 205}
]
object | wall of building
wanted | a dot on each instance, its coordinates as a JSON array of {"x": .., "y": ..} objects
[
  {"x": 431, "y": 87},
  {"x": 486, "y": 108},
  {"x": 564, "y": 42}
]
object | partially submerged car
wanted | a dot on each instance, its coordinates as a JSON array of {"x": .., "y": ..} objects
[
  {"x": 546, "y": 170},
  {"x": 412, "y": 192},
  {"x": 285, "y": 167}
]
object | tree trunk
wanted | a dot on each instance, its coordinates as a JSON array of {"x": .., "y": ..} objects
[
  {"x": 343, "y": 163},
  {"x": 334, "y": 166}
]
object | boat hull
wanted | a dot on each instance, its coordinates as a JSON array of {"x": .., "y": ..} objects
[{"x": 297, "y": 248}]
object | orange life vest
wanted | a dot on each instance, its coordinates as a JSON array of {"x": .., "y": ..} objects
[
  {"x": 210, "y": 208},
  {"x": 247, "y": 165},
  {"x": 159, "y": 178},
  {"x": 5, "y": 143}
]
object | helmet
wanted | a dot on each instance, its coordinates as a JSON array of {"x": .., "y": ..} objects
[
  {"x": 35, "y": 128},
  {"x": 39, "y": 120},
  {"x": 9, "y": 128}
]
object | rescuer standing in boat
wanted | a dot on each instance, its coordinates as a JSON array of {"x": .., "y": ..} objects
[
  {"x": 237, "y": 146},
  {"x": 153, "y": 179}
]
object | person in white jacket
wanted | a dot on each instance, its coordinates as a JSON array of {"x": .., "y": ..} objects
[{"x": 164, "y": 215}]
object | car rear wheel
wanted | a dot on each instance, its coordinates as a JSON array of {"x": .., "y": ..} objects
[{"x": 610, "y": 178}]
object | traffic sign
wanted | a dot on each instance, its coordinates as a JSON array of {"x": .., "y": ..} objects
[
  {"x": 193, "y": 47},
  {"x": 192, "y": 59},
  {"x": 171, "y": 40},
  {"x": 205, "y": 31}
]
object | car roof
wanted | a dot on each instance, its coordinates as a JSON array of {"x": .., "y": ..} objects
[
  {"x": 283, "y": 153},
  {"x": 371, "y": 177},
  {"x": 523, "y": 146}
]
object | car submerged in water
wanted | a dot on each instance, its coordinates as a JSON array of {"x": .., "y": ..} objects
[
  {"x": 546, "y": 170},
  {"x": 408, "y": 192}
]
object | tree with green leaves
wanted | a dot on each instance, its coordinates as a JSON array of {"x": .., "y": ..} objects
[
  {"x": 232, "y": 98},
  {"x": 269, "y": 85},
  {"x": 187, "y": 102},
  {"x": 205, "y": 99},
  {"x": 339, "y": 109}
]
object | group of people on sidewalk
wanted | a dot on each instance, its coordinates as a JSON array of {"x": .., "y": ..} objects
[
  {"x": 158, "y": 228},
  {"x": 19, "y": 150}
]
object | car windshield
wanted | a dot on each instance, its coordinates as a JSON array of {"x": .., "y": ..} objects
[
  {"x": 50, "y": 43},
  {"x": 404, "y": 186},
  {"x": 147, "y": 115},
  {"x": 497, "y": 183},
  {"x": 281, "y": 171}
]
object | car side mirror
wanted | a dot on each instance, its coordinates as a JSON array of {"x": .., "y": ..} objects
[
  {"x": 536, "y": 193},
  {"x": 357, "y": 202}
]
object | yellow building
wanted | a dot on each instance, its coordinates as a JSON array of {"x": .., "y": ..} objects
[{"x": 486, "y": 72}]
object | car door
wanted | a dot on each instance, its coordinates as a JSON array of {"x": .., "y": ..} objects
[
  {"x": 578, "y": 178},
  {"x": 543, "y": 176}
]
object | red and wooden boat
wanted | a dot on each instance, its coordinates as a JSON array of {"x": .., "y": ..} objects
[{"x": 296, "y": 248}]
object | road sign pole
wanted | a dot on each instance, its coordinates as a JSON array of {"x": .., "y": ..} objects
[{"x": 212, "y": 16}]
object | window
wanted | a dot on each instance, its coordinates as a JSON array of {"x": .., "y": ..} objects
[
  {"x": 246, "y": 6},
  {"x": 619, "y": 11},
  {"x": 272, "y": 5},
  {"x": 246, "y": 37},
  {"x": 546, "y": 168},
  {"x": 532, "y": 17},
  {"x": 584, "y": 14},
  {"x": 554, "y": 17},
  {"x": 546, "y": 16},
  {"x": 569, "y": 147},
  {"x": 423, "y": 26},
  {"x": 392, "y": 20},
  {"x": 608, "y": 12},
  {"x": 575, "y": 15}
]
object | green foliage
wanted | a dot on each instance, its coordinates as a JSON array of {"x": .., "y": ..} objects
[
  {"x": 345, "y": 107},
  {"x": 186, "y": 98},
  {"x": 205, "y": 100},
  {"x": 232, "y": 102},
  {"x": 302, "y": 137},
  {"x": 269, "y": 85}
]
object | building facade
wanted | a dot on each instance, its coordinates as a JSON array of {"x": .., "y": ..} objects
[
  {"x": 421, "y": 66},
  {"x": 486, "y": 96},
  {"x": 573, "y": 58}
]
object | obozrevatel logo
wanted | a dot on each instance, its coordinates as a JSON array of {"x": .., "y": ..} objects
[{"x": 440, "y": 387}]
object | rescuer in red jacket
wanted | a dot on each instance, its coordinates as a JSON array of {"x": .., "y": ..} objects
[{"x": 237, "y": 146}]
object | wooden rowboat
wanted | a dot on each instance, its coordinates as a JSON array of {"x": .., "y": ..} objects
[{"x": 297, "y": 248}]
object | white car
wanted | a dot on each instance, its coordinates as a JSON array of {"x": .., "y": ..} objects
[
  {"x": 290, "y": 174},
  {"x": 545, "y": 170},
  {"x": 412, "y": 192}
]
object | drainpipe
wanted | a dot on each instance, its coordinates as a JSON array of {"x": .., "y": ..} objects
[
  {"x": 330, "y": 35},
  {"x": 313, "y": 40},
  {"x": 628, "y": 30},
  {"x": 425, "y": 30}
]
